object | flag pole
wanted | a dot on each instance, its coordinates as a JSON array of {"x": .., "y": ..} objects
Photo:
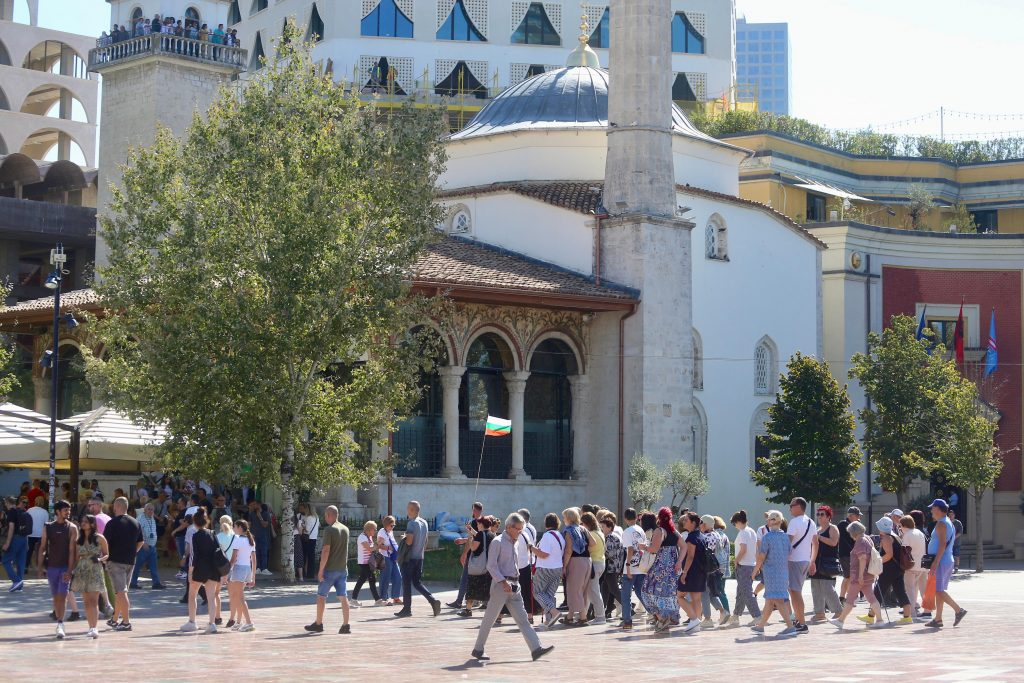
[{"x": 480, "y": 463}]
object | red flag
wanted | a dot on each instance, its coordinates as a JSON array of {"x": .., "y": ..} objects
[{"x": 958, "y": 336}]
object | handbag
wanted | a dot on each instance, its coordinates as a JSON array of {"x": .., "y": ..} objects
[
  {"x": 477, "y": 565},
  {"x": 221, "y": 563},
  {"x": 927, "y": 560},
  {"x": 827, "y": 567},
  {"x": 377, "y": 561}
]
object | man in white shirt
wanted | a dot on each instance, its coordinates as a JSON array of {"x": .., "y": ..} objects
[
  {"x": 524, "y": 542},
  {"x": 39, "y": 519},
  {"x": 632, "y": 537},
  {"x": 800, "y": 530},
  {"x": 746, "y": 559}
]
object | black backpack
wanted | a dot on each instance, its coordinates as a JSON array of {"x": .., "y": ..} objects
[
  {"x": 710, "y": 561},
  {"x": 22, "y": 523}
]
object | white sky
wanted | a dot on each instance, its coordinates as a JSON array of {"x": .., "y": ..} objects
[{"x": 855, "y": 62}]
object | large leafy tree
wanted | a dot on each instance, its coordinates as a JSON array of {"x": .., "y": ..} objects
[
  {"x": 258, "y": 269},
  {"x": 813, "y": 450},
  {"x": 965, "y": 450},
  {"x": 901, "y": 381}
]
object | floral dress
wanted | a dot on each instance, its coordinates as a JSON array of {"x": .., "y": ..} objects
[
  {"x": 88, "y": 576},
  {"x": 775, "y": 569},
  {"x": 659, "y": 591}
]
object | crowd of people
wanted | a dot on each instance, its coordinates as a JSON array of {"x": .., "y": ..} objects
[
  {"x": 171, "y": 27},
  {"x": 666, "y": 568}
]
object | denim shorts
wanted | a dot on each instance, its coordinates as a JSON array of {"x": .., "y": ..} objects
[
  {"x": 335, "y": 580},
  {"x": 240, "y": 573},
  {"x": 55, "y": 575}
]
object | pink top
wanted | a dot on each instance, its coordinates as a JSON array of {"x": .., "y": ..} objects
[{"x": 861, "y": 548}]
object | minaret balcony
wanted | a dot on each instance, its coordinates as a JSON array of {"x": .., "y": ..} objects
[{"x": 166, "y": 45}]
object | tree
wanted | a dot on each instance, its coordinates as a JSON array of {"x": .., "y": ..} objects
[
  {"x": 645, "y": 482},
  {"x": 966, "y": 450},
  {"x": 919, "y": 207},
  {"x": 813, "y": 450},
  {"x": 686, "y": 480},
  {"x": 900, "y": 380},
  {"x": 8, "y": 377},
  {"x": 258, "y": 270},
  {"x": 962, "y": 219}
]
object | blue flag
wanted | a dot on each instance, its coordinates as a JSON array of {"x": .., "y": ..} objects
[
  {"x": 992, "y": 352},
  {"x": 920, "y": 330}
]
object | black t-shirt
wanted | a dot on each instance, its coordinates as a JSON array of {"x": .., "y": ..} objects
[
  {"x": 484, "y": 538},
  {"x": 178, "y": 520},
  {"x": 123, "y": 535},
  {"x": 845, "y": 539}
]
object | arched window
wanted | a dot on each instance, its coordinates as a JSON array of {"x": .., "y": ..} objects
[
  {"x": 136, "y": 15},
  {"x": 315, "y": 32},
  {"x": 74, "y": 395},
  {"x": 699, "y": 434},
  {"x": 192, "y": 17},
  {"x": 461, "y": 81},
  {"x": 419, "y": 441},
  {"x": 54, "y": 102},
  {"x": 716, "y": 243},
  {"x": 55, "y": 57},
  {"x": 234, "y": 13},
  {"x": 382, "y": 79},
  {"x": 536, "y": 28},
  {"x": 600, "y": 37},
  {"x": 458, "y": 26},
  {"x": 53, "y": 145},
  {"x": 685, "y": 37},
  {"x": 765, "y": 367},
  {"x": 387, "y": 20},
  {"x": 758, "y": 432},
  {"x": 547, "y": 425},
  {"x": 482, "y": 393},
  {"x": 698, "y": 361},
  {"x": 256, "y": 62},
  {"x": 258, "y": 6}
]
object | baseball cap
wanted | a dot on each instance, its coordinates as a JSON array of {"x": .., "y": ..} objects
[
  {"x": 939, "y": 503},
  {"x": 884, "y": 525},
  {"x": 897, "y": 512},
  {"x": 853, "y": 510},
  {"x": 707, "y": 520},
  {"x": 191, "y": 510}
]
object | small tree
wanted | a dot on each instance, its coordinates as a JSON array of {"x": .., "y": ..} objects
[
  {"x": 966, "y": 450},
  {"x": 919, "y": 207},
  {"x": 8, "y": 379},
  {"x": 645, "y": 482},
  {"x": 962, "y": 219},
  {"x": 686, "y": 481},
  {"x": 813, "y": 451},
  {"x": 899, "y": 378}
]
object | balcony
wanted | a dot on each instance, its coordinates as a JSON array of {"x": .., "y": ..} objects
[
  {"x": 26, "y": 219},
  {"x": 170, "y": 45}
]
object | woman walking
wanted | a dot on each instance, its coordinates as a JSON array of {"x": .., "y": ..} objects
[
  {"x": 548, "y": 551},
  {"x": 773, "y": 563},
  {"x": 597, "y": 562},
  {"x": 693, "y": 578},
  {"x": 614, "y": 559},
  {"x": 391, "y": 576},
  {"x": 478, "y": 587},
  {"x": 717, "y": 545},
  {"x": 225, "y": 539},
  {"x": 860, "y": 579},
  {"x": 915, "y": 580},
  {"x": 746, "y": 558},
  {"x": 576, "y": 562},
  {"x": 366, "y": 543},
  {"x": 88, "y": 573},
  {"x": 825, "y": 567},
  {"x": 310, "y": 533},
  {"x": 659, "y": 589},
  {"x": 202, "y": 572},
  {"x": 243, "y": 559},
  {"x": 891, "y": 578}
]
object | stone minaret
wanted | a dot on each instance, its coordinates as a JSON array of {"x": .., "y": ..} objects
[{"x": 644, "y": 244}]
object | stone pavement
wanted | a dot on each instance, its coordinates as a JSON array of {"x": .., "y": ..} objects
[{"x": 986, "y": 647}]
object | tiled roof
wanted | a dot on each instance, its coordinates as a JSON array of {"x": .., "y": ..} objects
[
  {"x": 454, "y": 261},
  {"x": 79, "y": 298}
]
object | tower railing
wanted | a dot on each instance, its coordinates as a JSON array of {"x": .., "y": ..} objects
[{"x": 167, "y": 44}]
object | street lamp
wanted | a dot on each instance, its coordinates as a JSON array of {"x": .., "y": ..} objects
[{"x": 51, "y": 359}]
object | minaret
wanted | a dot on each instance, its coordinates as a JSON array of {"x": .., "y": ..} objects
[
  {"x": 644, "y": 244},
  {"x": 155, "y": 80}
]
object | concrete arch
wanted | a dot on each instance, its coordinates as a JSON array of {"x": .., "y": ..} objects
[
  {"x": 446, "y": 339},
  {"x": 19, "y": 168},
  {"x": 64, "y": 175},
  {"x": 42, "y": 99},
  {"x": 5, "y": 56},
  {"x": 38, "y": 144},
  {"x": 503, "y": 333},
  {"x": 573, "y": 344},
  {"x": 5, "y": 104},
  {"x": 44, "y": 55}
]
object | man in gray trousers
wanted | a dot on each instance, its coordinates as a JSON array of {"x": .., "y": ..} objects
[{"x": 503, "y": 566}]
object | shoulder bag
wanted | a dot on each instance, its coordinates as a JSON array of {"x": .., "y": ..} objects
[
  {"x": 221, "y": 562},
  {"x": 927, "y": 560},
  {"x": 377, "y": 561},
  {"x": 477, "y": 565}
]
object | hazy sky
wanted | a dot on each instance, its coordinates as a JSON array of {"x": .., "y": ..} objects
[{"x": 855, "y": 62}]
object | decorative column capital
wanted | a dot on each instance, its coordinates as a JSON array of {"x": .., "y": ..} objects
[
  {"x": 451, "y": 376},
  {"x": 515, "y": 381}
]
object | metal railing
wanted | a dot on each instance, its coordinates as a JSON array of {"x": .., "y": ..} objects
[{"x": 167, "y": 44}]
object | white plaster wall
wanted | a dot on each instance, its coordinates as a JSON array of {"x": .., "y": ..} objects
[{"x": 707, "y": 165}]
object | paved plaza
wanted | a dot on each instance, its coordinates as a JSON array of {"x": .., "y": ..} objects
[{"x": 986, "y": 647}]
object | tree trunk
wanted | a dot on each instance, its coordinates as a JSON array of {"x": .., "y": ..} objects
[
  {"x": 287, "y": 513},
  {"x": 901, "y": 499},
  {"x": 979, "y": 561}
]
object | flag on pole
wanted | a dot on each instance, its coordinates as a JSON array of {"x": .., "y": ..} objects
[
  {"x": 958, "y": 336},
  {"x": 497, "y": 427},
  {"x": 992, "y": 353}
]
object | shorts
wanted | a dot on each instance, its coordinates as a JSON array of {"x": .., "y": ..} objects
[
  {"x": 942, "y": 576},
  {"x": 956, "y": 550},
  {"x": 797, "y": 575},
  {"x": 119, "y": 575},
  {"x": 240, "y": 573},
  {"x": 55, "y": 576},
  {"x": 335, "y": 580},
  {"x": 844, "y": 562}
]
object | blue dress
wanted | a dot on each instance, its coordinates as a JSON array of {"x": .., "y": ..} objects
[
  {"x": 659, "y": 591},
  {"x": 775, "y": 570}
]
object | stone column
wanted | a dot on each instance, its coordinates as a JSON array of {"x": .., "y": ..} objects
[
  {"x": 515, "y": 382},
  {"x": 451, "y": 380},
  {"x": 580, "y": 457},
  {"x": 44, "y": 394}
]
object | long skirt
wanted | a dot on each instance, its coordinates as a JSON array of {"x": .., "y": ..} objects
[
  {"x": 576, "y": 581},
  {"x": 659, "y": 592}
]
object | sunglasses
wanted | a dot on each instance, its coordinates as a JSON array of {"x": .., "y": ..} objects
[{"x": 822, "y": 514}]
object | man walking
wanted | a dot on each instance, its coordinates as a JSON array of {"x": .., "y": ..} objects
[
  {"x": 124, "y": 540},
  {"x": 147, "y": 554},
  {"x": 800, "y": 530},
  {"x": 473, "y": 528},
  {"x": 95, "y": 508},
  {"x": 846, "y": 547},
  {"x": 632, "y": 579},
  {"x": 57, "y": 545},
  {"x": 940, "y": 545},
  {"x": 503, "y": 566},
  {"x": 37, "y": 511},
  {"x": 333, "y": 572},
  {"x": 412, "y": 567},
  {"x": 15, "y": 551}
]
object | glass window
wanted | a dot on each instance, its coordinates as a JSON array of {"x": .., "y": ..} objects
[
  {"x": 685, "y": 38},
  {"x": 779, "y": 47},
  {"x": 755, "y": 59},
  {"x": 741, "y": 47},
  {"x": 779, "y": 93},
  {"x": 762, "y": 371},
  {"x": 316, "y": 26},
  {"x": 779, "y": 34},
  {"x": 547, "y": 419},
  {"x": 754, "y": 47},
  {"x": 458, "y": 26},
  {"x": 234, "y": 14},
  {"x": 779, "y": 59},
  {"x": 755, "y": 70},
  {"x": 461, "y": 81},
  {"x": 766, "y": 47},
  {"x": 741, "y": 59},
  {"x": 599, "y": 38},
  {"x": 766, "y": 34},
  {"x": 987, "y": 220},
  {"x": 681, "y": 89},
  {"x": 483, "y": 393},
  {"x": 766, "y": 82},
  {"x": 536, "y": 28},
  {"x": 779, "y": 70},
  {"x": 741, "y": 35},
  {"x": 386, "y": 20},
  {"x": 815, "y": 208}
]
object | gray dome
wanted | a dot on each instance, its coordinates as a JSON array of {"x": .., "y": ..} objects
[{"x": 569, "y": 98}]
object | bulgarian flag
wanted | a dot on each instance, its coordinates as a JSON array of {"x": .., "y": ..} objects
[{"x": 497, "y": 427}]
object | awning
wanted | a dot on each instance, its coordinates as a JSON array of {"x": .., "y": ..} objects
[{"x": 823, "y": 188}]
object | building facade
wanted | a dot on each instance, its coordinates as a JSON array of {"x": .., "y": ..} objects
[{"x": 764, "y": 64}]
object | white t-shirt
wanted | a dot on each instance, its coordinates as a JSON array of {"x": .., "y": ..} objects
[
  {"x": 244, "y": 550},
  {"x": 797, "y": 527},
  {"x": 527, "y": 538},
  {"x": 364, "y": 554},
  {"x": 312, "y": 526},
  {"x": 39, "y": 519},
  {"x": 552, "y": 543},
  {"x": 631, "y": 538},
  {"x": 388, "y": 539},
  {"x": 748, "y": 537},
  {"x": 915, "y": 540}
]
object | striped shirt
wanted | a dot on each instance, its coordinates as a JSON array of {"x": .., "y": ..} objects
[{"x": 148, "y": 525}]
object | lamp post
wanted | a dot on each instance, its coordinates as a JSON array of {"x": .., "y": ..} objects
[{"x": 51, "y": 358}]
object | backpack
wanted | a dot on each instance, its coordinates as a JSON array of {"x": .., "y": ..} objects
[
  {"x": 904, "y": 556},
  {"x": 23, "y": 524},
  {"x": 711, "y": 563},
  {"x": 875, "y": 563}
]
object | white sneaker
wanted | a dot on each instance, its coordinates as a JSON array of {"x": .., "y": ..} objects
[
  {"x": 734, "y": 621},
  {"x": 247, "y": 628},
  {"x": 92, "y": 633},
  {"x": 838, "y": 624},
  {"x": 60, "y": 631},
  {"x": 599, "y": 621},
  {"x": 211, "y": 628},
  {"x": 380, "y": 603},
  {"x": 708, "y": 624},
  {"x": 352, "y": 602},
  {"x": 692, "y": 626},
  {"x": 189, "y": 627}
]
